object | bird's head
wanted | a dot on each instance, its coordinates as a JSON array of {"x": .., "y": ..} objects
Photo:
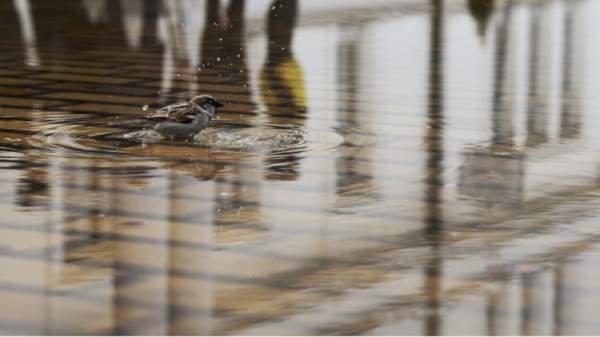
[{"x": 203, "y": 100}]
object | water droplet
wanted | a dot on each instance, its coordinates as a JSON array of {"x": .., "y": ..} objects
[
  {"x": 218, "y": 59},
  {"x": 238, "y": 55},
  {"x": 273, "y": 8},
  {"x": 145, "y": 107},
  {"x": 220, "y": 39}
]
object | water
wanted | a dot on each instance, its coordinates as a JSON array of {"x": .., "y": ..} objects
[{"x": 390, "y": 167}]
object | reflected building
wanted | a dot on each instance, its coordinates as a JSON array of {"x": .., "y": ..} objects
[
  {"x": 494, "y": 174},
  {"x": 155, "y": 250}
]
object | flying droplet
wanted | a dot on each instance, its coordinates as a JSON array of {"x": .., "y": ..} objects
[
  {"x": 218, "y": 59},
  {"x": 145, "y": 107}
]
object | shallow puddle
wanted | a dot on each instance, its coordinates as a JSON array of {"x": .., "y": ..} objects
[{"x": 403, "y": 167}]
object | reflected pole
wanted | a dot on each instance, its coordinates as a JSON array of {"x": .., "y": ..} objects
[{"x": 434, "y": 170}]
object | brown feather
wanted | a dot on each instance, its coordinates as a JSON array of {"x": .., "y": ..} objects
[{"x": 178, "y": 112}]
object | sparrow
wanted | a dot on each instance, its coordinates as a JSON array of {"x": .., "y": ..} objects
[{"x": 185, "y": 119}]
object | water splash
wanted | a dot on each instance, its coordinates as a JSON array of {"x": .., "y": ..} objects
[{"x": 249, "y": 139}]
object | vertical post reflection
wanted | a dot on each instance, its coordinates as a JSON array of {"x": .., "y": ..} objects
[
  {"x": 354, "y": 177},
  {"x": 559, "y": 300},
  {"x": 434, "y": 170},
  {"x": 133, "y": 21},
  {"x": 237, "y": 196},
  {"x": 527, "y": 286},
  {"x": 282, "y": 85},
  {"x": 32, "y": 57},
  {"x": 186, "y": 292},
  {"x": 502, "y": 120},
  {"x": 493, "y": 174},
  {"x": 127, "y": 278},
  {"x": 537, "y": 114},
  {"x": 492, "y": 313},
  {"x": 95, "y": 9},
  {"x": 570, "y": 122},
  {"x": 503, "y": 305}
]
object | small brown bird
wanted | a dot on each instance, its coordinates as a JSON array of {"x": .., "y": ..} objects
[
  {"x": 185, "y": 119},
  {"x": 184, "y": 112}
]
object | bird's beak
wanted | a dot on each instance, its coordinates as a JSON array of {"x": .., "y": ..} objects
[{"x": 218, "y": 104}]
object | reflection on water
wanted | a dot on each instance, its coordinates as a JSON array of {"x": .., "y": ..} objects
[{"x": 381, "y": 167}]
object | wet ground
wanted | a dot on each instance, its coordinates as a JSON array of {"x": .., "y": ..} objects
[{"x": 381, "y": 167}]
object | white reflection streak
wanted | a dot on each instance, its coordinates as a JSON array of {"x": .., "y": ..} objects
[
  {"x": 133, "y": 21},
  {"x": 167, "y": 64},
  {"x": 179, "y": 27},
  {"x": 32, "y": 57},
  {"x": 170, "y": 35},
  {"x": 95, "y": 9},
  {"x": 194, "y": 18},
  {"x": 184, "y": 291}
]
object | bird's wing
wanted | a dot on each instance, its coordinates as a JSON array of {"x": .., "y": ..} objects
[{"x": 178, "y": 112}]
